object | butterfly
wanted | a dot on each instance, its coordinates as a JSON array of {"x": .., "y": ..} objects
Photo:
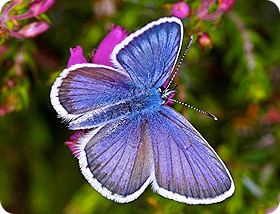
[{"x": 134, "y": 139}]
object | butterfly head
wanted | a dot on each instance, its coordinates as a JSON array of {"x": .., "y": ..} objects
[{"x": 167, "y": 94}]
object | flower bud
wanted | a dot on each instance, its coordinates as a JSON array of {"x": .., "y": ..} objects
[
  {"x": 31, "y": 30},
  {"x": 204, "y": 40},
  {"x": 38, "y": 7}
]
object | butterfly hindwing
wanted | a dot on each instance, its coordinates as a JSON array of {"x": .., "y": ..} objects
[
  {"x": 186, "y": 168},
  {"x": 116, "y": 159},
  {"x": 122, "y": 158},
  {"x": 149, "y": 54}
]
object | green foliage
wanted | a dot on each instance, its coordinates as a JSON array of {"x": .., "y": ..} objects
[{"x": 237, "y": 78}]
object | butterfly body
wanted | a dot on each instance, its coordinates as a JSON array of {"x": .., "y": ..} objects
[
  {"x": 134, "y": 138},
  {"x": 150, "y": 100}
]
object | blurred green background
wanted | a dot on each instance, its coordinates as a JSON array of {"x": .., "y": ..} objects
[{"x": 236, "y": 77}]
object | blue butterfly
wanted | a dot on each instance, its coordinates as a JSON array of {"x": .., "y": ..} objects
[{"x": 134, "y": 138}]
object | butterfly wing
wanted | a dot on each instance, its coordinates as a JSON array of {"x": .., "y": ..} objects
[
  {"x": 149, "y": 54},
  {"x": 89, "y": 94},
  {"x": 186, "y": 168},
  {"x": 116, "y": 159}
]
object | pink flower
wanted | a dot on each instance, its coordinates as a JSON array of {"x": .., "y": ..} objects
[
  {"x": 30, "y": 30},
  {"x": 223, "y": 6},
  {"x": 36, "y": 7},
  {"x": 104, "y": 50},
  {"x": 76, "y": 56},
  {"x": 102, "y": 55},
  {"x": 13, "y": 26},
  {"x": 181, "y": 10}
]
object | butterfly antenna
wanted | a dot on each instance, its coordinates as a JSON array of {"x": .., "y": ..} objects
[
  {"x": 196, "y": 109},
  {"x": 180, "y": 62}
]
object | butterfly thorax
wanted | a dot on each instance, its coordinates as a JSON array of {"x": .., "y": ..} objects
[{"x": 150, "y": 100}]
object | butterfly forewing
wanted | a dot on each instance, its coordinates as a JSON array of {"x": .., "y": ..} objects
[
  {"x": 85, "y": 92},
  {"x": 149, "y": 54}
]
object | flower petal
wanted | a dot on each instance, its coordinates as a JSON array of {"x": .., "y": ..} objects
[
  {"x": 72, "y": 142},
  {"x": 36, "y": 7},
  {"x": 31, "y": 30},
  {"x": 76, "y": 56},
  {"x": 104, "y": 50},
  {"x": 223, "y": 6}
]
